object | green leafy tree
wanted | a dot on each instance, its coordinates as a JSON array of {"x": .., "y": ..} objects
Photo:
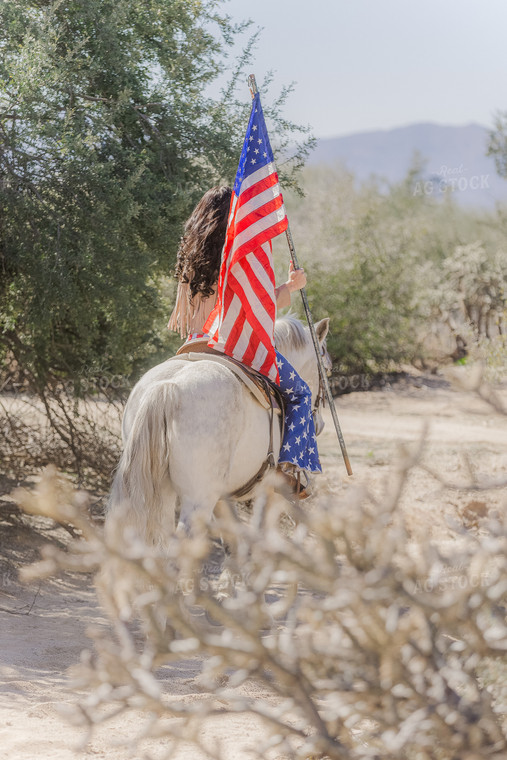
[{"x": 107, "y": 138}]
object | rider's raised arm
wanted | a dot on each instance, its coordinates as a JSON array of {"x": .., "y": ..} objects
[{"x": 296, "y": 281}]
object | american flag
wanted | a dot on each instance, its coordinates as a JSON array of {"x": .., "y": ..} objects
[{"x": 242, "y": 322}]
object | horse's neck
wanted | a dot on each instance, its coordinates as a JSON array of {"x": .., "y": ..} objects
[{"x": 299, "y": 360}]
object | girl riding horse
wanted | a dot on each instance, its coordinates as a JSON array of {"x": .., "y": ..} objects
[{"x": 197, "y": 270}]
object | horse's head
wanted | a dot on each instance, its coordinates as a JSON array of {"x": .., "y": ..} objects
[{"x": 294, "y": 341}]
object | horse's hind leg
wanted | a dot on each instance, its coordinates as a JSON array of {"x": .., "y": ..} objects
[
  {"x": 120, "y": 585},
  {"x": 192, "y": 507}
]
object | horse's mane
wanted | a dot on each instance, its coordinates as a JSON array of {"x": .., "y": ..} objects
[{"x": 290, "y": 334}]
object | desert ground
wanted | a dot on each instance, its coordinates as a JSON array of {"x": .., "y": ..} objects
[{"x": 43, "y": 626}]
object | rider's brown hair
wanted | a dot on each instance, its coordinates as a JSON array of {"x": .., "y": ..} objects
[{"x": 199, "y": 254}]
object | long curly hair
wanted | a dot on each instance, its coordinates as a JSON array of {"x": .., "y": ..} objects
[{"x": 199, "y": 254}]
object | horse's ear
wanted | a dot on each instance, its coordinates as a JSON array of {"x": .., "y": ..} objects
[{"x": 321, "y": 329}]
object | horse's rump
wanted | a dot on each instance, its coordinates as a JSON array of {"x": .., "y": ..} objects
[{"x": 186, "y": 438}]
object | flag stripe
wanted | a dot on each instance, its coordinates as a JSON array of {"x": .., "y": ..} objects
[
  {"x": 264, "y": 184},
  {"x": 242, "y": 323},
  {"x": 248, "y": 348},
  {"x": 256, "y": 313},
  {"x": 261, "y": 214},
  {"x": 265, "y": 229},
  {"x": 262, "y": 173}
]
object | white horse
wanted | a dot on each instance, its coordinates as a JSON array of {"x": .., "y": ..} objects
[{"x": 194, "y": 433}]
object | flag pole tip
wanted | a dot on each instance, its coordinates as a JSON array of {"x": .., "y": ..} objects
[{"x": 252, "y": 84}]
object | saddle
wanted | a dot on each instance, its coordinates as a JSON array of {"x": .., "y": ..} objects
[{"x": 266, "y": 393}]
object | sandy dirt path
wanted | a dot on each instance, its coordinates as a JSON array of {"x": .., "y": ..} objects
[{"x": 43, "y": 627}]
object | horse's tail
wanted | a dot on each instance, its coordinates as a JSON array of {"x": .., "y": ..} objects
[{"x": 141, "y": 502}]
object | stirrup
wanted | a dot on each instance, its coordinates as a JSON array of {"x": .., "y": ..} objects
[{"x": 295, "y": 481}]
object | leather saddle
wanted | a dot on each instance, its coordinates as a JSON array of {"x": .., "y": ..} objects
[{"x": 266, "y": 393}]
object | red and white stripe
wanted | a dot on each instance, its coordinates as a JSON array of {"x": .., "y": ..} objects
[{"x": 242, "y": 323}]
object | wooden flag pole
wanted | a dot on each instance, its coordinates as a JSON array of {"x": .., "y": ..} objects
[{"x": 322, "y": 370}]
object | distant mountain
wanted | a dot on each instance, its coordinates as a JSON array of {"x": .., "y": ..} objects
[{"x": 454, "y": 160}]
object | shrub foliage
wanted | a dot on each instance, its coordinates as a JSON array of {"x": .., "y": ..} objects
[{"x": 391, "y": 267}]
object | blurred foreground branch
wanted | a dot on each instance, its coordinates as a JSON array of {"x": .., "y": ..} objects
[{"x": 359, "y": 644}]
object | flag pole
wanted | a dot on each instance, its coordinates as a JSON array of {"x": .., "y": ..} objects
[{"x": 322, "y": 370}]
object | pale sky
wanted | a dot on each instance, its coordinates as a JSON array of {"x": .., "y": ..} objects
[{"x": 361, "y": 65}]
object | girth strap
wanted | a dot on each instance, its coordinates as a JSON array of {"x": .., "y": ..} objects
[{"x": 270, "y": 461}]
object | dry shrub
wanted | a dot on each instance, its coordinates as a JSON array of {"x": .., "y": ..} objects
[
  {"x": 468, "y": 306},
  {"x": 361, "y": 644},
  {"x": 79, "y": 435}
]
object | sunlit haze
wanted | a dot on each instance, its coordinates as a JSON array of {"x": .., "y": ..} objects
[{"x": 361, "y": 65}]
